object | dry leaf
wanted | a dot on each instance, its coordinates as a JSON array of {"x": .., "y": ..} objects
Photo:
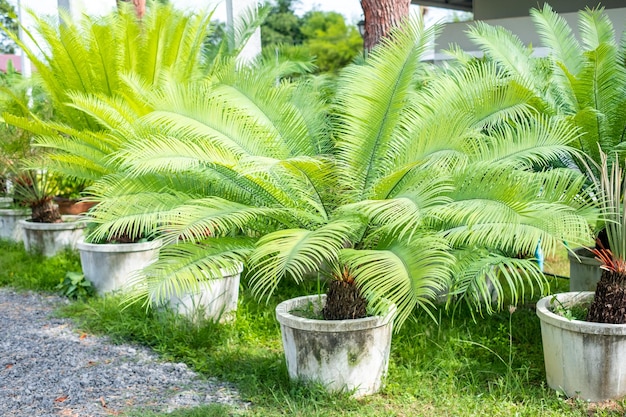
[{"x": 61, "y": 399}]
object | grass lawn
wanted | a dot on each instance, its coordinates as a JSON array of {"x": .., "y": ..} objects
[{"x": 463, "y": 366}]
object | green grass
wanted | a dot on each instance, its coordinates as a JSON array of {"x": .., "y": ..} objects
[{"x": 463, "y": 366}]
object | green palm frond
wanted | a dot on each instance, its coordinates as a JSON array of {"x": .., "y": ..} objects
[
  {"x": 501, "y": 208},
  {"x": 213, "y": 216},
  {"x": 182, "y": 267},
  {"x": 484, "y": 280},
  {"x": 371, "y": 108},
  {"x": 537, "y": 142},
  {"x": 504, "y": 47},
  {"x": 596, "y": 28},
  {"x": 409, "y": 273},
  {"x": 294, "y": 253},
  {"x": 558, "y": 37}
]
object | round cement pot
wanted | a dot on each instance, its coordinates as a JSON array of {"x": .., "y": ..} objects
[
  {"x": 6, "y": 202},
  {"x": 216, "y": 298},
  {"x": 584, "y": 270},
  {"x": 582, "y": 359},
  {"x": 109, "y": 266},
  {"x": 351, "y": 355},
  {"x": 52, "y": 238},
  {"x": 10, "y": 227}
]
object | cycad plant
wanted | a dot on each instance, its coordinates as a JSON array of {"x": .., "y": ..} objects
[
  {"x": 103, "y": 56},
  {"x": 609, "y": 302},
  {"x": 581, "y": 80},
  {"x": 408, "y": 184}
]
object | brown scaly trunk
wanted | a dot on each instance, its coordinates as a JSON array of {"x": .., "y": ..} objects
[
  {"x": 380, "y": 17},
  {"x": 344, "y": 301},
  {"x": 140, "y": 6},
  {"x": 46, "y": 212},
  {"x": 609, "y": 303}
]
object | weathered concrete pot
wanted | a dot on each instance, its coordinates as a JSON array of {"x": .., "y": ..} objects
[
  {"x": 6, "y": 202},
  {"x": 216, "y": 299},
  {"x": 584, "y": 270},
  {"x": 52, "y": 238},
  {"x": 350, "y": 355},
  {"x": 582, "y": 359},
  {"x": 10, "y": 227},
  {"x": 109, "y": 266}
]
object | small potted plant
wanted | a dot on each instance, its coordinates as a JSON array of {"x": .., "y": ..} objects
[
  {"x": 584, "y": 351},
  {"x": 45, "y": 230}
]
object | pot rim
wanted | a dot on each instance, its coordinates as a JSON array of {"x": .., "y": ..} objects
[
  {"x": 578, "y": 326},
  {"x": 119, "y": 247},
  {"x": 285, "y": 318},
  {"x": 70, "y": 222}
]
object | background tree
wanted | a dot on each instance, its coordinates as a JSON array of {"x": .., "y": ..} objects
[
  {"x": 330, "y": 40},
  {"x": 8, "y": 19},
  {"x": 282, "y": 25},
  {"x": 380, "y": 17},
  {"x": 322, "y": 36},
  {"x": 140, "y": 6}
]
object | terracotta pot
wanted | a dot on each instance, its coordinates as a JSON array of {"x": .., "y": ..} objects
[{"x": 67, "y": 206}]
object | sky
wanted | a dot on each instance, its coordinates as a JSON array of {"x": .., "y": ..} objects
[{"x": 351, "y": 9}]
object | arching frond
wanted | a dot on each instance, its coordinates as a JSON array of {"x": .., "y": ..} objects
[
  {"x": 295, "y": 253},
  {"x": 409, "y": 273},
  {"x": 371, "y": 106},
  {"x": 182, "y": 267}
]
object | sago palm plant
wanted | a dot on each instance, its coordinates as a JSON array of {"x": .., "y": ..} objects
[
  {"x": 609, "y": 302},
  {"x": 410, "y": 183},
  {"x": 581, "y": 80},
  {"x": 116, "y": 58}
]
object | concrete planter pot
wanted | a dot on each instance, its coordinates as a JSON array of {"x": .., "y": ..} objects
[
  {"x": 110, "y": 266},
  {"x": 52, "y": 238},
  {"x": 216, "y": 298},
  {"x": 10, "y": 227},
  {"x": 582, "y": 359},
  {"x": 584, "y": 270},
  {"x": 350, "y": 355}
]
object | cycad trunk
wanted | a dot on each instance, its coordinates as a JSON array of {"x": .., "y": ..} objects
[
  {"x": 45, "y": 212},
  {"x": 380, "y": 17},
  {"x": 140, "y": 6},
  {"x": 344, "y": 301},
  {"x": 609, "y": 303}
]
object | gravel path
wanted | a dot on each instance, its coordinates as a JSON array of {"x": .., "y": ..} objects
[{"x": 49, "y": 369}]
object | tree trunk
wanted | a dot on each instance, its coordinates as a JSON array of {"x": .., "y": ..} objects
[
  {"x": 609, "y": 303},
  {"x": 380, "y": 17},
  {"x": 45, "y": 211},
  {"x": 344, "y": 301},
  {"x": 140, "y": 6}
]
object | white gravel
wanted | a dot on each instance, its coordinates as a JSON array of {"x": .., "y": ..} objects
[{"x": 47, "y": 368}]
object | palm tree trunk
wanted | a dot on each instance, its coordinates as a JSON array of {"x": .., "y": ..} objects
[
  {"x": 140, "y": 6},
  {"x": 380, "y": 17},
  {"x": 609, "y": 302}
]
